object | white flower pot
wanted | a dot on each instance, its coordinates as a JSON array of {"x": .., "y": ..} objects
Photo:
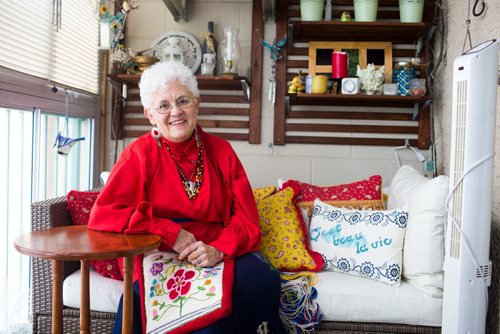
[
  {"x": 365, "y": 10},
  {"x": 410, "y": 11},
  {"x": 311, "y": 10}
]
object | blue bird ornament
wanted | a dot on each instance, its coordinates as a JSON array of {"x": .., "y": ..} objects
[{"x": 64, "y": 144}]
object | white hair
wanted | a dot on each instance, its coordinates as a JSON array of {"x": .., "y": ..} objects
[{"x": 162, "y": 74}]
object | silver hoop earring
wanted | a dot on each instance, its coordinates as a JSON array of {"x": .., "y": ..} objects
[{"x": 155, "y": 133}]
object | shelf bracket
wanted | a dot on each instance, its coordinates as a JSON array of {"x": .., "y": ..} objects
[
  {"x": 177, "y": 8},
  {"x": 246, "y": 88},
  {"x": 289, "y": 44},
  {"x": 417, "y": 108},
  {"x": 269, "y": 10}
]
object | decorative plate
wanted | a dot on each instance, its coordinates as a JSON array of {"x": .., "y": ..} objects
[{"x": 191, "y": 46}]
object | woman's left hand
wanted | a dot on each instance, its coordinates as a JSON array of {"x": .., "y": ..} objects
[{"x": 201, "y": 255}]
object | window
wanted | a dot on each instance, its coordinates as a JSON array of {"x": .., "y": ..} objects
[
  {"x": 15, "y": 197},
  {"x": 44, "y": 44},
  {"x": 56, "y": 174},
  {"x": 51, "y": 39},
  {"x": 33, "y": 170}
]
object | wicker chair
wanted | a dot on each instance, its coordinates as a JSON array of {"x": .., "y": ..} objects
[
  {"x": 52, "y": 212},
  {"x": 45, "y": 214}
]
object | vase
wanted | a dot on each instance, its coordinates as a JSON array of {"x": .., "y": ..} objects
[
  {"x": 365, "y": 10},
  {"x": 410, "y": 11},
  {"x": 311, "y": 10}
]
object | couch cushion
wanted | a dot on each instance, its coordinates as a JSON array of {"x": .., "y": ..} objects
[
  {"x": 105, "y": 293},
  {"x": 347, "y": 298},
  {"x": 366, "y": 243},
  {"x": 284, "y": 239},
  {"x": 423, "y": 251}
]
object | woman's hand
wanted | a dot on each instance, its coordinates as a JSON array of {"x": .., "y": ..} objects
[
  {"x": 184, "y": 240},
  {"x": 201, "y": 255}
]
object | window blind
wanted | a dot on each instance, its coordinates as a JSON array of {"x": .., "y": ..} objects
[{"x": 66, "y": 54}]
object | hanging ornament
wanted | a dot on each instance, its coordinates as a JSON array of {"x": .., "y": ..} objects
[
  {"x": 64, "y": 144},
  {"x": 274, "y": 50}
]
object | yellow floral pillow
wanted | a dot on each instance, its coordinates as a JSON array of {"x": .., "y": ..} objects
[
  {"x": 261, "y": 193},
  {"x": 284, "y": 238}
]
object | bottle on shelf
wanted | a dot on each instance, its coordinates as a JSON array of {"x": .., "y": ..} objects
[
  {"x": 209, "y": 50},
  {"x": 328, "y": 10}
]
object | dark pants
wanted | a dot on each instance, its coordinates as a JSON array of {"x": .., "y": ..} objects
[{"x": 256, "y": 298}]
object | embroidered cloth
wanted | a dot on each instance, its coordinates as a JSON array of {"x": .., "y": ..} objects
[{"x": 180, "y": 297}]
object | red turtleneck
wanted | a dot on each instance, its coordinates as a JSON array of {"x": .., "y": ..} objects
[{"x": 145, "y": 194}]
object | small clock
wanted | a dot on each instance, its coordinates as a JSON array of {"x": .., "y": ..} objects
[{"x": 350, "y": 86}]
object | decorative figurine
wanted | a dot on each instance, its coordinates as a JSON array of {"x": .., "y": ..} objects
[
  {"x": 371, "y": 78},
  {"x": 346, "y": 17},
  {"x": 297, "y": 85}
]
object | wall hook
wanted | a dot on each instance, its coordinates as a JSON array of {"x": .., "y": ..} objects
[{"x": 483, "y": 7}]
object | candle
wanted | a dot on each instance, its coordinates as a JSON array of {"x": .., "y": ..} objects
[
  {"x": 339, "y": 65},
  {"x": 230, "y": 44}
]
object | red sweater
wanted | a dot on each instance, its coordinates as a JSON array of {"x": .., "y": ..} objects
[{"x": 144, "y": 193}]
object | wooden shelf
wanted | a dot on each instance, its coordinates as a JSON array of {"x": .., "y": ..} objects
[
  {"x": 204, "y": 82},
  {"x": 297, "y": 117},
  {"x": 357, "y": 100},
  {"x": 220, "y": 82},
  {"x": 396, "y": 32}
]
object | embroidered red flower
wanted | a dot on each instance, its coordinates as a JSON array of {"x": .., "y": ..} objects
[{"x": 180, "y": 283}]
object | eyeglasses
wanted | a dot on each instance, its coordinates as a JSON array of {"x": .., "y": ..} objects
[{"x": 182, "y": 103}]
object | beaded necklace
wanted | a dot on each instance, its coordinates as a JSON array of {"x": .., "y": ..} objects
[{"x": 192, "y": 188}]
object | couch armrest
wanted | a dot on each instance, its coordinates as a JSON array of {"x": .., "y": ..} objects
[{"x": 46, "y": 214}]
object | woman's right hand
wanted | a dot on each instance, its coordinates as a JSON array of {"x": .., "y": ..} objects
[{"x": 184, "y": 239}]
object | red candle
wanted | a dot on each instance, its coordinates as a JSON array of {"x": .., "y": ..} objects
[{"x": 339, "y": 65}]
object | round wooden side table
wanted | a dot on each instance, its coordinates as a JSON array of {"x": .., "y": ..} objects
[{"x": 77, "y": 243}]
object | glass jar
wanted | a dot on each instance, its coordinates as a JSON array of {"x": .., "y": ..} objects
[
  {"x": 402, "y": 74},
  {"x": 417, "y": 87}
]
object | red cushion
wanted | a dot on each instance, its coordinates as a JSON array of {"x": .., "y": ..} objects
[
  {"x": 79, "y": 205},
  {"x": 362, "y": 194}
]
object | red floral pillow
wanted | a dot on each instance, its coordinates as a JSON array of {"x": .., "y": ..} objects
[
  {"x": 363, "y": 194},
  {"x": 79, "y": 205}
]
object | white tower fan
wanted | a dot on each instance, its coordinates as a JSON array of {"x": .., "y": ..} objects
[{"x": 467, "y": 268}]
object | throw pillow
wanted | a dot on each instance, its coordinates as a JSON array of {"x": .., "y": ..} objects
[
  {"x": 284, "y": 241},
  {"x": 264, "y": 192},
  {"x": 79, "y": 206},
  {"x": 363, "y": 194},
  {"x": 358, "y": 242},
  {"x": 423, "y": 251}
]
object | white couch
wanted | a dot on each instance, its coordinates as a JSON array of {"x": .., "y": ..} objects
[{"x": 344, "y": 300}]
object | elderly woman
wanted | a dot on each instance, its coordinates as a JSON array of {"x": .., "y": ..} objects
[{"x": 190, "y": 188}]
